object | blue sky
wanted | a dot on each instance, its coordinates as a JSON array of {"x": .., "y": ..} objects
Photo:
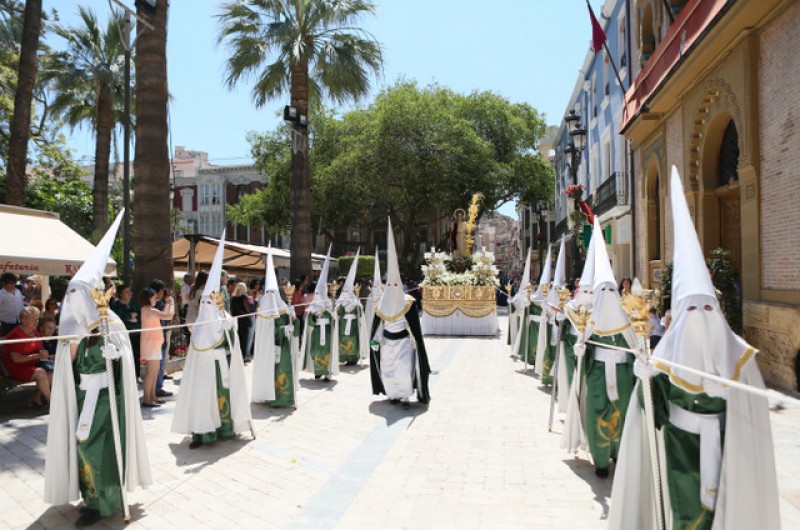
[{"x": 526, "y": 50}]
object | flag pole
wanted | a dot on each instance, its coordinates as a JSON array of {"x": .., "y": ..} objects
[{"x": 614, "y": 66}]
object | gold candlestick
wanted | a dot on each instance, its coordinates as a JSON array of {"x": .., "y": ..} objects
[
  {"x": 289, "y": 290},
  {"x": 637, "y": 304},
  {"x": 509, "y": 287}
]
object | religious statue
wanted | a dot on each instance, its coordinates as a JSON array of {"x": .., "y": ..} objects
[{"x": 458, "y": 234}]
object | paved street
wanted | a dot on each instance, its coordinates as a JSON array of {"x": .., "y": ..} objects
[{"x": 479, "y": 457}]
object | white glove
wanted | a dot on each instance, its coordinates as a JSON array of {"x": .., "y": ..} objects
[
  {"x": 288, "y": 330},
  {"x": 579, "y": 349},
  {"x": 560, "y": 317},
  {"x": 644, "y": 369},
  {"x": 110, "y": 352}
]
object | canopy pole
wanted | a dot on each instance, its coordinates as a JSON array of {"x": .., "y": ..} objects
[{"x": 191, "y": 255}]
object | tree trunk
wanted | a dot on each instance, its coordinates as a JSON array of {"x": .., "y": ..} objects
[
  {"x": 102, "y": 156},
  {"x": 16, "y": 179},
  {"x": 300, "y": 247},
  {"x": 152, "y": 236}
]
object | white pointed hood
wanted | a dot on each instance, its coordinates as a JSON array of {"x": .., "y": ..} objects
[
  {"x": 585, "y": 294},
  {"x": 609, "y": 316},
  {"x": 321, "y": 300},
  {"x": 208, "y": 331},
  {"x": 538, "y": 295},
  {"x": 699, "y": 336},
  {"x": 377, "y": 284},
  {"x": 559, "y": 279},
  {"x": 522, "y": 299},
  {"x": 79, "y": 312},
  {"x": 347, "y": 297},
  {"x": 393, "y": 304},
  {"x": 271, "y": 304}
]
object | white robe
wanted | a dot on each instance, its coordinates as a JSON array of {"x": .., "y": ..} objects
[
  {"x": 748, "y": 487},
  {"x": 61, "y": 463},
  {"x": 267, "y": 355},
  {"x": 197, "y": 410},
  {"x": 399, "y": 366}
]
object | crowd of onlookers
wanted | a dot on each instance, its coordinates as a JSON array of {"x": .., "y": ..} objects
[{"x": 23, "y": 315}]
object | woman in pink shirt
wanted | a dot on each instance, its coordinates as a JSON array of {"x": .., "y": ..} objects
[{"x": 151, "y": 341}]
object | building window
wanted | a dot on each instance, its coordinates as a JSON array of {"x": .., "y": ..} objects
[
  {"x": 210, "y": 194},
  {"x": 606, "y": 160}
]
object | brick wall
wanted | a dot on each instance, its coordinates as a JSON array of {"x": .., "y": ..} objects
[{"x": 779, "y": 107}]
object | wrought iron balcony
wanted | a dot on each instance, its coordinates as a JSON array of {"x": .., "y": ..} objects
[
  {"x": 561, "y": 228},
  {"x": 612, "y": 192}
]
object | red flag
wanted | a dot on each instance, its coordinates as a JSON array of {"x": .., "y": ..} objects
[{"x": 598, "y": 35}]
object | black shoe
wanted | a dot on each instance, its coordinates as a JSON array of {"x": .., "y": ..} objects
[
  {"x": 89, "y": 516},
  {"x": 406, "y": 405},
  {"x": 195, "y": 444},
  {"x": 160, "y": 402},
  {"x": 394, "y": 401},
  {"x": 317, "y": 376},
  {"x": 326, "y": 379},
  {"x": 602, "y": 473},
  {"x": 150, "y": 405},
  {"x": 164, "y": 393},
  {"x": 167, "y": 376}
]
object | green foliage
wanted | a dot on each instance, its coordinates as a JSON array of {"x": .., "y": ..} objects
[
  {"x": 365, "y": 269},
  {"x": 666, "y": 287},
  {"x": 725, "y": 277},
  {"x": 414, "y": 152}
]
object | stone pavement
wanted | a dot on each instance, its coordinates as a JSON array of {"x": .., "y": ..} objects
[{"x": 478, "y": 457}]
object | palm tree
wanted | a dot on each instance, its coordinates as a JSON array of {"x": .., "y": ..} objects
[
  {"x": 21, "y": 120},
  {"x": 151, "y": 237},
  {"x": 88, "y": 79},
  {"x": 311, "y": 48}
]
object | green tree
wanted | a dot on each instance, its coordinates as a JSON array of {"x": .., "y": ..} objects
[
  {"x": 414, "y": 155},
  {"x": 312, "y": 49},
  {"x": 88, "y": 79},
  {"x": 152, "y": 242},
  {"x": 23, "y": 101}
]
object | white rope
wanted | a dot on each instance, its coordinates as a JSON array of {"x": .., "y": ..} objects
[{"x": 769, "y": 394}]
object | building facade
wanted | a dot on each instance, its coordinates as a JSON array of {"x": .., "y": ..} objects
[
  {"x": 603, "y": 166},
  {"x": 718, "y": 96}
]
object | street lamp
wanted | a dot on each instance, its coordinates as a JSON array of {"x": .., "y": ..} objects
[{"x": 573, "y": 153}]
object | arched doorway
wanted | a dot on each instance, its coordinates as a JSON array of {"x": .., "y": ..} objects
[
  {"x": 727, "y": 191},
  {"x": 654, "y": 220}
]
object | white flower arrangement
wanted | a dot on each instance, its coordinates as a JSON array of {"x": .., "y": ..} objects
[{"x": 483, "y": 271}]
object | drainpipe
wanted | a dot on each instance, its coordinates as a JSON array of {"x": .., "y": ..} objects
[{"x": 631, "y": 171}]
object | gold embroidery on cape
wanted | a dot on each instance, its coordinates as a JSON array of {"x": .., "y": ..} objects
[
  {"x": 475, "y": 301},
  {"x": 212, "y": 347},
  {"x": 398, "y": 316},
  {"x": 346, "y": 346},
  {"x": 748, "y": 353},
  {"x": 609, "y": 431},
  {"x": 607, "y": 332},
  {"x": 321, "y": 363},
  {"x": 282, "y": 383},
  {"x": 85, "y": 472},
  {"x": 270, "y": 317}
]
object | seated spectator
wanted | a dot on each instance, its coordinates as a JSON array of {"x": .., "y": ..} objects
[
  {"x": 21, "y": 358},
  {"x": 47, "y": 328},
  {"x": 51, "y": 309}
]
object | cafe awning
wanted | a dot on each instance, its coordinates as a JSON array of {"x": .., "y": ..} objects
[
  {"x": 241, "y": 259},
  {"x": 38, "y": 242}
]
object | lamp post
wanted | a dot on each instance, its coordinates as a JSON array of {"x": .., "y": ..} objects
[{"x": 574, "y": 152}]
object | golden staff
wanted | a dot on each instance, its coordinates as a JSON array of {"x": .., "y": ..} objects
[{"x": 102, "y": 301}]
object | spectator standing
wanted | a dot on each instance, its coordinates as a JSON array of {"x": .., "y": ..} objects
[
  {"x": 226, "y": 288},
  {"x": 22, "y": 358},
  {"x": 194, "y": 297},
  {"x": 186, "y": 288},
  {"x": 11, "y": 303},
  {"x": 152, "y": 342},
  {"x": 162, "y": 295},
  {"x": 242, "y": 309},
  {"x": 655, "y": 330},
  {"x": 127, "y": 309}
]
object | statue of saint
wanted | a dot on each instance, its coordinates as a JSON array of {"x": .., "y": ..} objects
[{"x": 458, "y": 234}]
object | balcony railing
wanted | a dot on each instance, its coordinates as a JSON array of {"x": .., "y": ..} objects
[
  {"x": 610, "y": 193},
  {"x": 561, "y": 228}
]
